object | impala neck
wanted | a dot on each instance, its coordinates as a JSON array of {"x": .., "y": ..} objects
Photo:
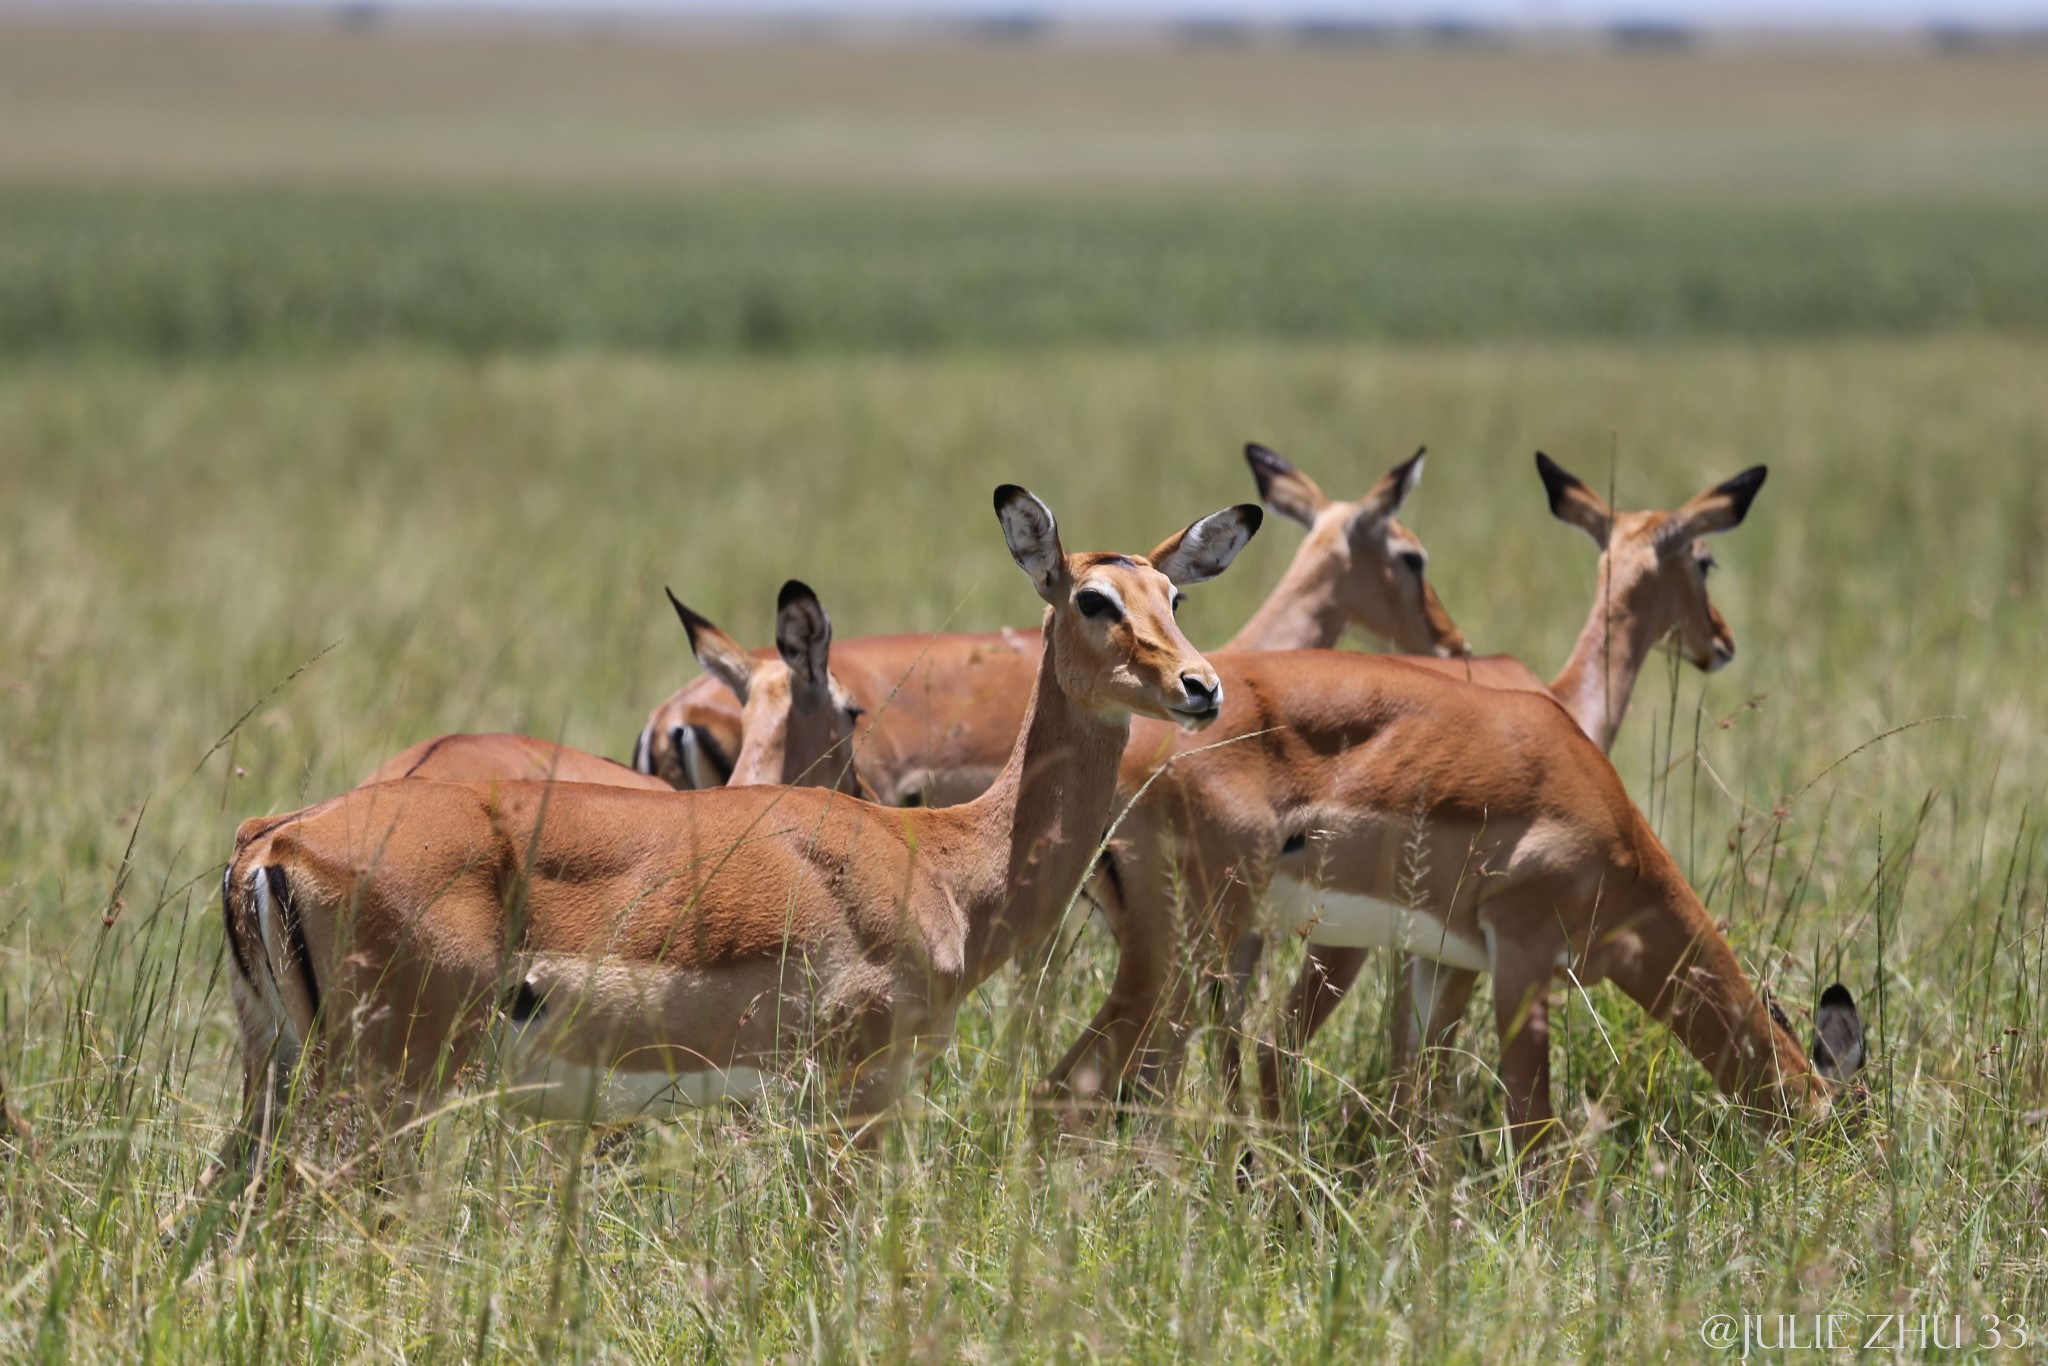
[
  {"x": 1682, "y": 971},
  {"x": 1612, "y": 649},
  {"x": 1046, "y": 813},
  {"x": 1305, "y": 610}
]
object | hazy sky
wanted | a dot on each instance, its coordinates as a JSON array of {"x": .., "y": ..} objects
[{"x": 1885, "y": 13}]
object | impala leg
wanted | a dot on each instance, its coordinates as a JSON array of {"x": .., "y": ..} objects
[
  {"x": 1326, "y": 975},
  {"x": 269, "y": 1057},
  {"x": 874, "y": 1077},
  {"x": 1521, "y": 1009},
  {"x": 1430, "y": 1009},
  {"x": 1244, "y": 961},
  {"x": 238, "y": 1169},
  {"x": 1217, "y": 945},
  {"x": 1147, "y": 941},
  {"x": 1107, "y": 1048},
  {"x": 241, "y": 1159}
]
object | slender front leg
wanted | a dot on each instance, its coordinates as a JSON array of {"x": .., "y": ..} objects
[
  {"x": 1107, "y": 1049},
  {"x": 1140, "y": 913},
  {"x": 874, "y": 1064},
  {"x": 1521, "y": 1009},
  {"x": 1216, "y": 944},
  {"x": 1244, "y": 962},
  {"x": 1429, "y": 1010},
  {"x": 1326, "y": 976}
]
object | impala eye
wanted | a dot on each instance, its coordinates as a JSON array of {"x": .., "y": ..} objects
[
  {"x": 1708, "y": 564},
  {"x": 854, "y": 711},
  {"x": 1415, "y": 560},
  {"x": 1177, "y": 601},
  {"x": 1094, "y": 604}
]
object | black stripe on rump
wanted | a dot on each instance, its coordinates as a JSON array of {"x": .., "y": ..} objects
[
  {"x": 295, "y": 935},
  {"x": 227, "y": 916}
]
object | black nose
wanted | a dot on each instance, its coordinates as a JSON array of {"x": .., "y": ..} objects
[{"x": 1201, "y": 697}]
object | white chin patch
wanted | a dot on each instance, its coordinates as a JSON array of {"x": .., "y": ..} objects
[
  {"x": 1345, "y": 921},
  {"x": 550, "y": 1089}
]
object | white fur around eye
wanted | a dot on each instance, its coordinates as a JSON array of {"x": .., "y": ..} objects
[{"x": 1104, "y": 591}]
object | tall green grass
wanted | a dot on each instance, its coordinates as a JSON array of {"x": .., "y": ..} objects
[
  {"x": 482, "y": 543},
  {"x": 221, "y": 273}
]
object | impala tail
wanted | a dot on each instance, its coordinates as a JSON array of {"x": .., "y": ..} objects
[
  {"x": 277, "y": 997},
  {"x": 276, "y": 987}
]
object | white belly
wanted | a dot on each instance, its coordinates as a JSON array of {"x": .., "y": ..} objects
[
  {"x": 1345, "y": 921},
  {"x": 550, "y": 1089}
]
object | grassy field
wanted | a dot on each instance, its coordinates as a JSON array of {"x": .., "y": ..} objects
[
  {"x": 191, "y": 275},
  {"x": 301, "y": 462},
  {"x": 483, "y": 544}
]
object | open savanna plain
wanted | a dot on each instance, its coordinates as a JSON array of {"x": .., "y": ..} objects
[{"x": 392, "y": 414}]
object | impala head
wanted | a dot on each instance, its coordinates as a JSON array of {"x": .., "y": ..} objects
[
  {"x": 1837, "y": 1051},
  {"x": 1116, "y": 644},
  {"x": 1383, "y": 578},
  {"x": 797, "y": 718},
  {"x": 1655, "y": 564}
]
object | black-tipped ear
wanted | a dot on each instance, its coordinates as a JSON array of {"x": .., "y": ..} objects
[
  {"x": 1557, "y": 482},
  {"x": 1741, "y": 491},
  {"x": 803, "y": 634},
  {"x": 1720, "y": 508},
  {"x": 718, "y": 652},
  {"x": 1572, "y": 502},
  {"x": 1386, "y": 497},
  {"x": 1838, "y": 1050},
  {"x": 1282, "y": 487},
  {"x": 1034, "y": 540},
  {"x": 1200, "y": 552},
  {"x": 1267, "y": 464},
  {"x": 1409, "y": 471},
  {"x": 692, "y": 623}
]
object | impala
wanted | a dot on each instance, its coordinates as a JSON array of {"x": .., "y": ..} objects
[
  {"x": 1651, "y": 586},
  {"x": 632, "y": 951},
  {"x": 1481, "y": 829},
  {"x": 798, "y": 717},
  {"x": 944, "y": 708}
]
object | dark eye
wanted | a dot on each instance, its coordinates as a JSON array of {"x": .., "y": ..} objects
[
  {"x": 1177, "y": 601},
  {"x": 1094, "y": 604},
  {"x": 1708, "y": 564},
  {"x": 854, "y": 711},
  {"x": 1415, "y": 560}
]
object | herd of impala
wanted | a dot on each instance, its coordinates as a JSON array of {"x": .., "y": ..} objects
[{"x": 820, "y": 849}]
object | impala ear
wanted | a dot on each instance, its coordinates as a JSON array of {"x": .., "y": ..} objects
[
  {"x": 803, "y": 635},
  {"x": 718, "y": 652},
  {"x": 1720, "y": 508},
  {"x": 1392, "y": 490},
  {"x": 1202, "y": 551},
  {"x": 1282, "y": 487},
  {"x": 1034, "y": 540},
  {"x": 1573, "y": 503},
  {"x": 1837, "y": 1035}
]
